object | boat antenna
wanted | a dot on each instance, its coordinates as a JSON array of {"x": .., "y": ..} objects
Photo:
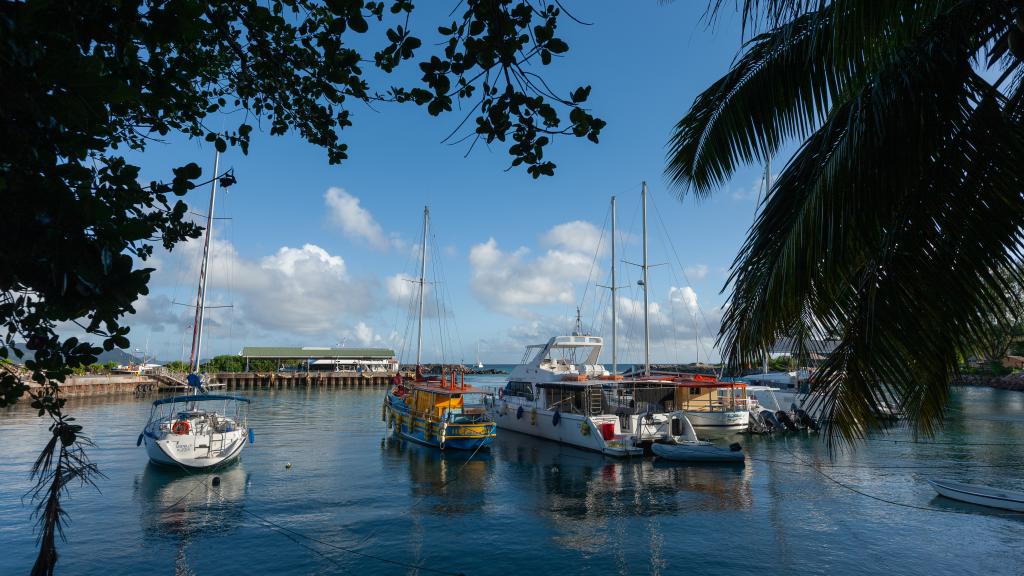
[
  {"x": 197, "y": 326},
  {"x": 643, "y": 282},
  {"x": 422, "y": 283},
  {"x": 579, "y": 324}
]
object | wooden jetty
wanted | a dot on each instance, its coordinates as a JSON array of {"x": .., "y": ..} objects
[
  {"x": 111, "y": 384},
  {"x": 314, "y": 379}
]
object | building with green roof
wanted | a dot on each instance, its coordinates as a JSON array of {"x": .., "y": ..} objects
[{"x": 321, "y": 359}]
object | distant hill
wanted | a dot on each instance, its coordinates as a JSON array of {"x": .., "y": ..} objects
[{"x": 117, "y": 355}]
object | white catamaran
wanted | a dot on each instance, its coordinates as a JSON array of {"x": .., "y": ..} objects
[
  {"x": 190, "y": 431},
  {"x": 560, "y": 392}
]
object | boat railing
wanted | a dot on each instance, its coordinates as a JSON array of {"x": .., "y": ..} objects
[
  {"x": 716, "y": 405},
  {"x": 434, "y": 417}
]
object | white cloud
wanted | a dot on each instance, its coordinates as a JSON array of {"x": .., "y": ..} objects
[
  {"x": 401, "y": 287},
  {"x": 575, "y": 236},
  {"x": 680, "y": 331},
  {"x": 361, "y": 335},
  {"x": 295, "y": 296},
  {"x": 696, "y": 272},
  {"x": 510, "y": 282},
  {"x": 355, "y": 221}
]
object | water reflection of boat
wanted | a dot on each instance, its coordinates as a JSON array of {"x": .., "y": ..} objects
[
  {"x": 187, "y": 505},
  {"x": 579, "y": 484},
  {"x": 446, "y": 483}
]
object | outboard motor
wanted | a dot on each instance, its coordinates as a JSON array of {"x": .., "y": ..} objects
[
  {"x": 796, "y": 419},
  {"x": 804, "y": 418},
  {"x": 757, "y": 424},
  {"x": 786, "y": 420},
  {"x": 771, "y": 422}
]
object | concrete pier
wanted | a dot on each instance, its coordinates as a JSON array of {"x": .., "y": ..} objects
[
  {"x": 100, "y": 385},
  {"x": 339, "y": 380}
]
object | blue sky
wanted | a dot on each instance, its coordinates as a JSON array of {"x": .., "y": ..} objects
[{"x": 312, "y": 251}]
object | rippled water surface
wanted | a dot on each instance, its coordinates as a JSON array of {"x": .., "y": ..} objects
[{"x": 354, "y": 502}]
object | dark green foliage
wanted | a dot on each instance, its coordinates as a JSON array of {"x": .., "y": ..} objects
[
  {"x": 226, "y": 363},
  {"x": 896, "y": 227},
  {"x": 176, "y": 366},
  {"x": 85, "y": 80}
]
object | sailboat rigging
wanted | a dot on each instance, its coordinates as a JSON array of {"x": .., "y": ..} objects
[
  {"x": 182, "y": 431},
  {"x": 433, "y": 410}
]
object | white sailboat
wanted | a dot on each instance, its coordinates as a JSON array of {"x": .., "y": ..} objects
[
  {"x": 198, "y": 430},
  {"x": 660, "y": 405},
  {"x": 479, "y": 364}
]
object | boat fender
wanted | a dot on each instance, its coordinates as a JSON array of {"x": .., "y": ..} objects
[
  {"x": 501, "y": 393},
  {"x": 556, "y": 418},
  {"x": 735, "y": 447},
  {"x": 519, "y": 413},
  {"x": 585, "y": 429},
  {"x": 252, "y": 436},
  {"x": 533, "y": 417},
  {"x": 139, "y": 441},
  {"x": 180, "y": 427}
]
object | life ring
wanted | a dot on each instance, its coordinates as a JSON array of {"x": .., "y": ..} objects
[
  {"x": 181, "y": 427},
  {"x": 519, "y": 413},
  {"x": 585, "y": 429},
  {"x": 533, "y": 417},
  {"x": 556, "y": 418}
]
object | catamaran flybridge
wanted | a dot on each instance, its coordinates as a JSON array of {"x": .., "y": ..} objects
[{"x": 189, "y": 431}]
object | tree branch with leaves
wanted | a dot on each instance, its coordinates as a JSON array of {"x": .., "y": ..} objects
[{"x": 87, "y": 79}]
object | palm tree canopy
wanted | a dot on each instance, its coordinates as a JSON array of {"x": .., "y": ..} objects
[{"x": 896, "y": 227}]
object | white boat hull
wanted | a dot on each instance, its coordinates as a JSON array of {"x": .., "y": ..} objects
[
  {"x": 191, "y": 450},
  {"x": 980, "y": 495},
  {"x": 728, "y": 421},
  {"x": 572, "y": 429}
]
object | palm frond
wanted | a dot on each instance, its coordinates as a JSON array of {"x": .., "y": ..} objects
[
  {"x": 787, "y": 82},
  {"x": 864, "y": 234}
]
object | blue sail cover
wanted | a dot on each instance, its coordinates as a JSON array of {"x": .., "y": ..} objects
[
  {"x": 198, "y": 398},
  {"x": 194, "y": 380}
]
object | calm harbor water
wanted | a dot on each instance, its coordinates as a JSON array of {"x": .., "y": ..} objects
[{"x": 353, "y": 502}]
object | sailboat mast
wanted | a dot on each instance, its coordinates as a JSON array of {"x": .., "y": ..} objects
[
  {"x": 423, "y": 282},
  {"x": 647, "y": 325},
  {"x": 767, "y": 189},
  {"x": 197, "y": 326},
  {"x": 615, "y": 304}
]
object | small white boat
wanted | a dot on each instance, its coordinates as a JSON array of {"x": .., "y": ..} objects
[
  {"x": 681, "y": 444},
  {"x": 182, "y": 432},
  {"x": 980, "y": 495}
]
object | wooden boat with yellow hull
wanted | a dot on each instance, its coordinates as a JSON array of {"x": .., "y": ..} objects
[{"x": 435, "y": 413}]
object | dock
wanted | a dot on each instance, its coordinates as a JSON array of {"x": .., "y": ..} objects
[{"x": 162, "y": 382}]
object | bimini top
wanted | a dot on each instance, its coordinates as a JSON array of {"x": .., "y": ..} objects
[{"x": 198, "y": 398}]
